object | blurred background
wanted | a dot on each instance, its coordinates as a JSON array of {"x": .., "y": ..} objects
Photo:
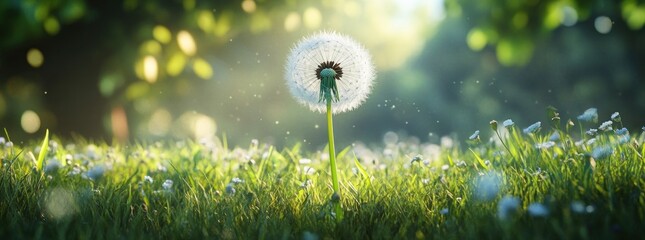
[{"x": 149, "y": 70}]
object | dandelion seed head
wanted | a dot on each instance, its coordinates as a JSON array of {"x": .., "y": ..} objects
[{"x": 317, "y": 55}]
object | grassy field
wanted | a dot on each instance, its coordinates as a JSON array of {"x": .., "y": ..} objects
[{"x": 539, "y": 182}]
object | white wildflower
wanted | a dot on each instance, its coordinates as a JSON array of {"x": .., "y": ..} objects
[
  {"x": 487, "y": 185},
  {"x": 508, "y": 123},
  {"x": 444, "y": 211},
  {"x": 96, "y": 172},
  {"x": 167, "y": 185},
  {"x": 148, "y": 179},
  {"x": 606, "y": 126}
]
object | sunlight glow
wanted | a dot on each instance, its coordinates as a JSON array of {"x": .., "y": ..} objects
[
  {"x": 150, "y": 69},
  {"x": 186, "y": 43},
  {"x": 202, "y": 69},
  {"x": 291, "y": 22},
  {"x": 30, "y": 121},
  {"x": 312, "y": 18},
  {"x": 160, "y": 122},
  {"x": 248, "y": 6},
  {"x": 161, "y": 34}
]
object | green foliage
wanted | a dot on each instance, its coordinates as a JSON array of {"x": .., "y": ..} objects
[{"x": 185, "y": 189}]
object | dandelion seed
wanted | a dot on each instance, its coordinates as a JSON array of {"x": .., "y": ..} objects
[
  {"x": 606, "y": 126},
  {"x": 538, "y": 210},
  {"x": 329, "y": 53},
  {"x": 616, "y": 117},
  {"x": 508, "y": 123},
  {"x": 592, "y": 132},
  {"x": 602, "y": 152},
  {"x": 507, "y": 206},
  {"x": 622, "y": 131},
  {"x": 309, "y": 170},
  {"x": 444, "y": 211},
  {"x": 577, "y": 207},
  {"x": 590, "y": 115},
  {"x": 167, "y": 185},
  {"x": 474, "y": 135},
  {"x": 148, "y": 179},
  {"x": 533, "y": 128},
  {"x": 230, "y": 189}
]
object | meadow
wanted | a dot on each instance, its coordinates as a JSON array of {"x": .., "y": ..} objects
[{"x": 557, "y": 179}]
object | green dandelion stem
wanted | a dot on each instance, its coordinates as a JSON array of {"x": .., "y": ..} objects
[{"x": 332, "y": 159}]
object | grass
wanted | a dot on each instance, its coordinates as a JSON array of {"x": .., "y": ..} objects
[{"x": 404, "y": 189}]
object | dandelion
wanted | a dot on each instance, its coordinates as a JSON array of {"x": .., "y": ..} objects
[
  {"x": 330, "y": 73},
  {"x": 474, "y": 136},
  {"x": 616, "y": 117},
  {"x": 329, "y": 66},
  {"x": 538, "y": 210},
  {"x": 590, "y": 115},
  {"x": 602, "y": 152},
  {"x": 506, "y": 206},
  {"x": 606, "y": 126},
  {"x": 167, "y": 185},
  {"x": 508, "y": 123},
  {"x": 533, "y": 128}
]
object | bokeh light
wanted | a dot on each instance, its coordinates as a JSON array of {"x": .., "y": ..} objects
[
  {"x": 186, "y": 43},
  {"x": 30, "y": 121},
  {"x": 312, "y": 18},
  {"x": 603, "y": 24},
  {"x": 161, "y": 34},
  {"x": 160, "y": 122},
  {"x": 292, "y": 22},
  {"x": 35, "y": 57},
  {"x": 150, "y": 69},
  {"x": 248, "y": 6}
]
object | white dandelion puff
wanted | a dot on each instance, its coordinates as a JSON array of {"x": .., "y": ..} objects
[{"x": 333, "y": 54}]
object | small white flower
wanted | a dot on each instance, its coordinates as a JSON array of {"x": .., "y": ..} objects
[
  {"x": 533, "y": 128},
  {"x": 487, "y": 185},
  {"x": 545, "y": 145},
  {"x": 52, "y": 165},
  {"x": 474, "y": 136},
  {"x": 148, "y": 179},
  {"x": 554, "y": 137},
  {"x": 577, "y": 207},
  {"x": 167, "y": 185},
  {"x": 2, "y": 141},
  {"x": 445, "y": 167},
  {"x": 606, "y": 126},
  {"x": 590, "y": 115},
  {"x": 304, "y": 161},
  {"x": 508, "y": 123},
  {"x": 616, "y": 117},
  {"x": 237, "y": 180},
  {"x": 324, "y": 52},
  {"x": 538, "y": 210},
  {"x": 602, "y": 152}
]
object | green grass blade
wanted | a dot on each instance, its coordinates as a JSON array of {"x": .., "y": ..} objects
[
  {"x": 479, "y": 160},
  {"x": 361, "y": 169},
  {"x": 43, "y": 151}
]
